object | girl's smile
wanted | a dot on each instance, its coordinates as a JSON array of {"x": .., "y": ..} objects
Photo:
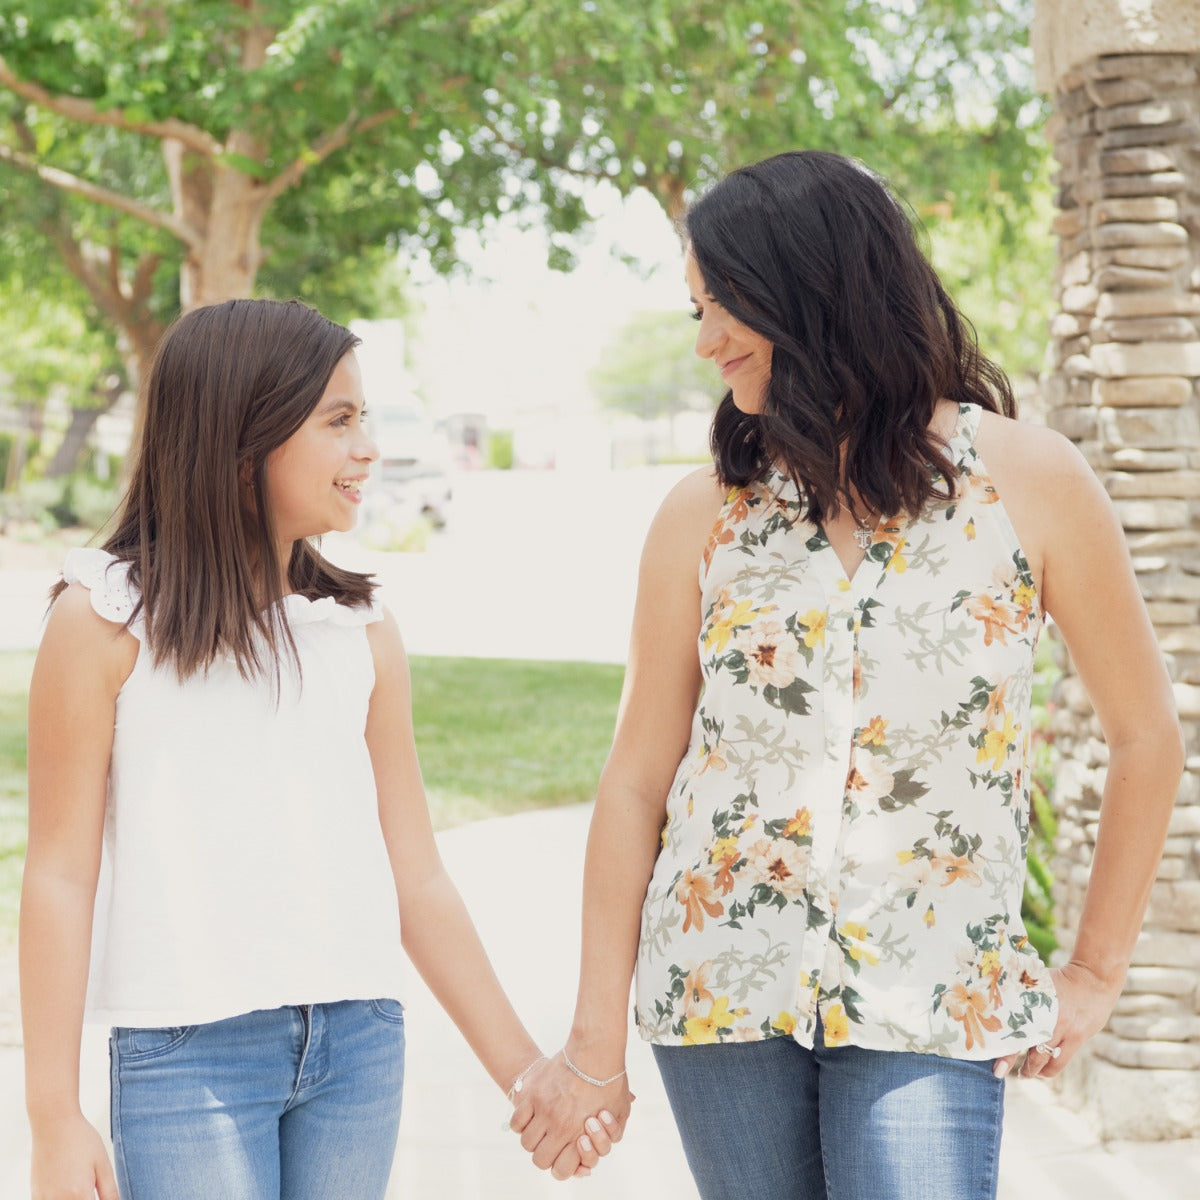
[{"x": 314, "y": 480}]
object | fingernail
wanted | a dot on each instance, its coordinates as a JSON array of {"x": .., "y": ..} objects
[
  {"x": 586, "y": 1143},
  {"x": 1001, "y": 1070},
  {"x": 607, "y": 1117},
  {"x": 592, "y": 1125},
  {"x": 584, "y": 1172}
]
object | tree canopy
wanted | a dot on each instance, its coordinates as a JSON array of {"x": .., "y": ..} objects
[{"x": 170, "y": 154}]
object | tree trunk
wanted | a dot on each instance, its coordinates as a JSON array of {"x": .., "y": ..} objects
[
  {"x": 224, "y": 205},
  {"x": 83, "y": 421},
  {"x": 67, "y": 456}
]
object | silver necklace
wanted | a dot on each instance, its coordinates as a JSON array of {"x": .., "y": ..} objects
[{"x": 864, "y": 534}]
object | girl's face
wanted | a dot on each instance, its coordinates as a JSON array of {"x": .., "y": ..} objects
[
  {"x": 314, "y": 480},
  {"x": 743, "y": 356}
]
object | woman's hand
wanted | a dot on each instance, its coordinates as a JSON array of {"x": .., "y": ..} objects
[
  {"x": 1085, "y": 1002},
  {"x": 566, "y": 1123},
  {"x": 70, "y": 1163}
]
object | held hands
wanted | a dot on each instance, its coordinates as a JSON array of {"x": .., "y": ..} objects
[
  {"x": 567, "y": 1123},
  {"x": 1085, "y": 1002}
]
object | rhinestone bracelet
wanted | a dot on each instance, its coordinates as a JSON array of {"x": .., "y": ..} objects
[{"x": 587, "y": 1078}]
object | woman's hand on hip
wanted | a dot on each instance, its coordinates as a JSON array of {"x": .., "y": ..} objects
[{"x": 1085, "y": 1002}]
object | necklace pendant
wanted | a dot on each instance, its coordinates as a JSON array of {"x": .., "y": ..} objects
[{"x": 863, "y": 536}]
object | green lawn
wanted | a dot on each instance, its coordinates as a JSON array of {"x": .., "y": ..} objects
[
  {"x": 14, "y": 683},
  {"x": 494, "y": 736}
]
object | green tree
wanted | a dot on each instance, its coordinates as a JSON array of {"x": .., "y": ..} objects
[
  {"x": 228, "y": 134},
  {"x": 650, "y": 368}
]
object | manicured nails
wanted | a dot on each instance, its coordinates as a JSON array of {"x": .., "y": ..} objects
[
  {"x": 607, "y": 1117},
  {"x": 585, "y": 1144},
  {"x": 592, "y": 1125},
  {"x": 1001, "y": 1069}
]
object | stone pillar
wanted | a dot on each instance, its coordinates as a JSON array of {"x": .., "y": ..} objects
[{"x": 1123, "y": 370}]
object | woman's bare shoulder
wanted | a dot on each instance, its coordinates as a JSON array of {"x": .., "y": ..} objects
[
  {"x": 684, "y": 521},
  {"x": 1027, "y": 458}
]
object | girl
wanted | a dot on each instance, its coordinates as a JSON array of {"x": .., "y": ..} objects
[
  {"x": 220, "y": 736},
  {"x": 810, "y": 833}
]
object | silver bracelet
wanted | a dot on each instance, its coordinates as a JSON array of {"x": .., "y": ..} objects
[
  {"x": 518, "y": 1083},
  {"x": 587, "y": 1078}
]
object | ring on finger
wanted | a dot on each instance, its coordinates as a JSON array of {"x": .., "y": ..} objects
[{"x": 1048, "y": 1050}]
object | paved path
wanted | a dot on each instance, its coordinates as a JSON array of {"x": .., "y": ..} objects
[{"x": 521, "y": 879}]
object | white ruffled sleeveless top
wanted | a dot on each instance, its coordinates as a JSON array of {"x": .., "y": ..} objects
[{"x": 244, "y": 866}]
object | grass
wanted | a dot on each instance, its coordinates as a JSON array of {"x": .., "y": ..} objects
[
  {"x": 14, "y": 684},
  {"x": 494, "y": 736},
  {"x": 499, "y": 736}
]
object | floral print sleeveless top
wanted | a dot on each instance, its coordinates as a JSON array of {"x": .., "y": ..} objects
[{"x": 846, "y": 833}]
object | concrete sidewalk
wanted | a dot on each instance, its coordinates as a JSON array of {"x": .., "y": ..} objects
[{"x": 521, "y": 878}]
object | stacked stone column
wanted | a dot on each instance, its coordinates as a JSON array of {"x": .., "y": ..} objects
[{"x": 1124, "y": 364}]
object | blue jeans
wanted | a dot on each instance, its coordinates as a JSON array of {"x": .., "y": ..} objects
[
  {"x": 771, "y": 1120},
  {"x": 283, "y": 1104}
]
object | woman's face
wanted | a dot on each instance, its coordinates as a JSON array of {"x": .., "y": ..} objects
[{"x": 743, "y": 356}]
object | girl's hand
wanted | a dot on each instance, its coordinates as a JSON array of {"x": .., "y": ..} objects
[
  {"x": 554, "y": 1107},
  {"x": 70, "y": 1163},
  {"x": 1085, "y": 1002}
]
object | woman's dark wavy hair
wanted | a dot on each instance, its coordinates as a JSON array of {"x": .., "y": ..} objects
[
  {"x": 812, "y": 251},
  {"x": 230, "y": 383}
]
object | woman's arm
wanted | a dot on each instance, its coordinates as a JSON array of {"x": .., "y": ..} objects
[
  {"x": 1090, "y": 589},
  {"x": 662, "y": 683},
  {"x": 81, "y": 664}
]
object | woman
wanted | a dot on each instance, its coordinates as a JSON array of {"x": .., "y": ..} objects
[{"x": 810, "y": 833}]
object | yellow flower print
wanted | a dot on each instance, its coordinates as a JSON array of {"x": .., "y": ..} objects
[
  {"x": 837, "y": 1027},
  {"x": 843, "y": 585},
  {"x": 969, "y": 530},
  {"x": 1023, "y": 596},
  {"x": 814, "y": 622},
  {"x": 799, "y": 825},
  {"x": 725, "y": 850},
  {"x": 785, "y": 1023},
  {"x": 997, "y": 743},
  {"x": 989, "y": 964},
  {"x": 929, "y": 918},
  {"x": 856, "y": 935},
  {"x": 721, "y": 630},
  {"x": 873, "y": 734},
  {"x": 701, "y": 1031},
  {"x": 904, "y": 856}
]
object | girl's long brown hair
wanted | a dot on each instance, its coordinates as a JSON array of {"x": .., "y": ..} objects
[{"x": 230, "y": 383}]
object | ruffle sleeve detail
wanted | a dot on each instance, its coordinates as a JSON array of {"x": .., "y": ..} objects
[
  {"x": 107, "y": 579},
  {"x": 302, "y": 611}
]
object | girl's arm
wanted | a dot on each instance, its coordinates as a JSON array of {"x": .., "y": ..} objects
[
  {"x": 438, "y": 934},
  {"x": 80, "y": 667},
  {"x": 662, "y": 683},
  {"x": 1090, "y": 589}
]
